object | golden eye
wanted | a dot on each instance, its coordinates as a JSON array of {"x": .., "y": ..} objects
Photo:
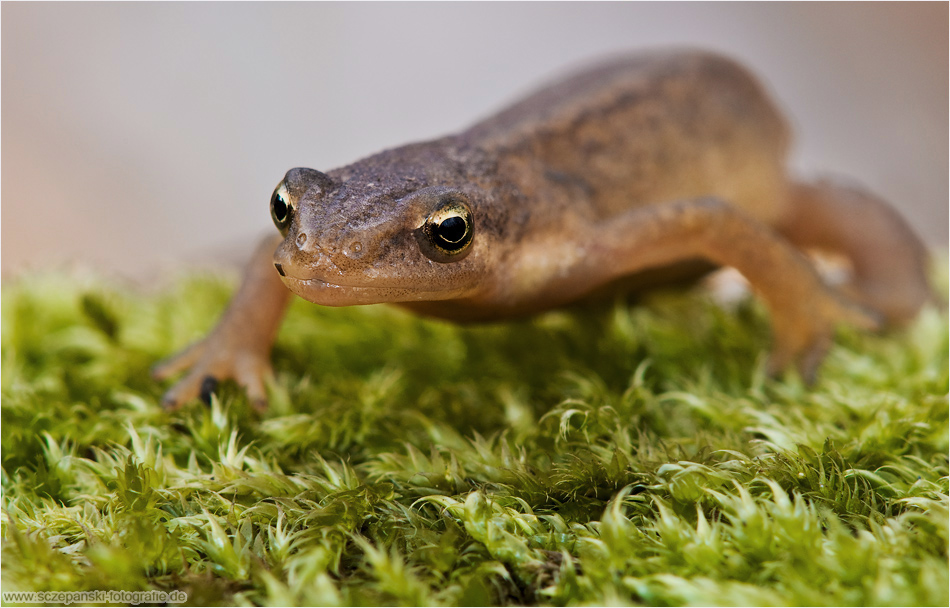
[
  {"x": 450, "y": 229},
  {"x": 281, "y": 208}
]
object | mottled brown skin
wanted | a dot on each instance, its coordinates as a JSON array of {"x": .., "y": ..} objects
[{"x": 644, "y": 162}]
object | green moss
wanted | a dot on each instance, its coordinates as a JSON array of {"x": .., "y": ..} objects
[{"x": 631, "y": 455}]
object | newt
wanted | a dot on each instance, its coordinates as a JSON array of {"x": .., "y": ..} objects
[{"x": 632, "y": 171}]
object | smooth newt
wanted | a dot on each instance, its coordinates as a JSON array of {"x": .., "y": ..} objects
[{"x": 656, "y": 160}]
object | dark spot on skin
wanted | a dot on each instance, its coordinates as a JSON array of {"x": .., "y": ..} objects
[
  {"x": 569, "y": 179},
  {"x": 208, "y": 386}
]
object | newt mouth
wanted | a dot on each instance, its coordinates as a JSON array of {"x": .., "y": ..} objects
[
  {"x": 319, "y": 290},
  {"x": 288, "y": 278},
  {"x": 331, "y": 294},
  {"x": 325, "y": 293}
]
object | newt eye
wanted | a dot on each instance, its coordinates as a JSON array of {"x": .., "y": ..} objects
[
  {"x": 281, "y": 208},
  {"x": 449, "y": 231}
]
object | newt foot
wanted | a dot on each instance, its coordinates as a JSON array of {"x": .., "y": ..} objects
[
  {"x": 802, "y": 335},
  {"x": 207, "y": 363}
]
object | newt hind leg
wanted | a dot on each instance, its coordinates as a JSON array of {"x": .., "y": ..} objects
[
  {"x": 804, "y": 311},
  {"x": 889, "y": 262}
]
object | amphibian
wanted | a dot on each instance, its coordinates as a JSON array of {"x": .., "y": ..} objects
[{"x": 656, "y": 160}]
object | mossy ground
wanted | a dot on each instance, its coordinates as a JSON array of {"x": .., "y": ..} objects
[{"x": 635, "y": 455}]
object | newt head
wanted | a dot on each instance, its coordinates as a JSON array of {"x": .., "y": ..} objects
[{"x": 359, "y": 236}]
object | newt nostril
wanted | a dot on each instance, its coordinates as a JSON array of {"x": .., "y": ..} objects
[
  {"x": 301, "y": 239},
  {"x": 280, "y": 269}
]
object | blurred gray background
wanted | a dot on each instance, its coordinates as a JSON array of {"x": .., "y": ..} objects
[{"x": 138, "y": 137}]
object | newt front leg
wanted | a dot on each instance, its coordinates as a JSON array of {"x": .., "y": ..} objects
[{"x": 239, "y": 346}]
